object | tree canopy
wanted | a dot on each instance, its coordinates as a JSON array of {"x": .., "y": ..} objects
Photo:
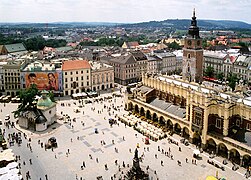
[
  {"x": 209, "y": 72},
  {"x": 27, "y": 98}
]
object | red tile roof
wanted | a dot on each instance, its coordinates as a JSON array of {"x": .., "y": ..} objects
[{"x": 75, "y": 64}]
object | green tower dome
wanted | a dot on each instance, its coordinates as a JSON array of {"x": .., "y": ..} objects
[{"x": 44, "y": 101}]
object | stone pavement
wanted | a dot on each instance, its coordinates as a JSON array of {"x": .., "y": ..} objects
[{"x": 83, "y": 143}]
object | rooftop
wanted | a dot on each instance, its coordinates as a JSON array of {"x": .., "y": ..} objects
[{"x": 75, "y": 65}]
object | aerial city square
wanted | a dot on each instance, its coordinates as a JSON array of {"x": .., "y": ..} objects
[{"x": 145, "y": 100}]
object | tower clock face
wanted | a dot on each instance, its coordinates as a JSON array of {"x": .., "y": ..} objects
[
  {"x": 198, "y": 43},
  {"x": 189, "y": 42}
]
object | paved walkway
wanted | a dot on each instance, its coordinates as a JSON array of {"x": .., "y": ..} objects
[{"x": 83, "y": 143}]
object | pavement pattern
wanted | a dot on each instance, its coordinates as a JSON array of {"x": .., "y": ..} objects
[{"x": 83, "y": 154}]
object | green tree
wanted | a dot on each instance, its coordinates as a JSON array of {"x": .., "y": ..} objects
[
  {"x": 27, "y": 98},
  {"x": 209, "y": 72},
  {"x": 174, "y": 45},
  {"x": 220, "y": 76},
  {"x": 232, "y": 79}
]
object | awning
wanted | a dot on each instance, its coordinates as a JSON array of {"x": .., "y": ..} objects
[{"x": 196, "y": 152}]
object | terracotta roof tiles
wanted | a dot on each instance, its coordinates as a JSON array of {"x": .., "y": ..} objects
[{"x": 75, "y": 64}]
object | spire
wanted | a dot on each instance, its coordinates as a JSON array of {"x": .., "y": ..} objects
[{"x": 193, "y": 29}]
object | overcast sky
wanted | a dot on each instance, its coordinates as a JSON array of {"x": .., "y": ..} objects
[{"x": 125, "y": 11}]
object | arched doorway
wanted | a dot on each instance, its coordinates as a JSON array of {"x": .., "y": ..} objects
[
  {"x": 177, "y": 128},
  {"x": 235, "y": 156},
  {"x": 222, "y": 150},
  {"x": 246, "y": 161},
  {"x": 155, "y": 117},
  {"x": 148, "y": 115},
  {"x": 186, "y": 133},
  {"x": 103, "y": 87},
  {"x": 196, "y": 139},
  {"x": 136, "y": 108},
  {"x": 77, "y": 90},
  {"x": 162, "y": 120},
  {"x": 142, "y": 111},
  {"x": 130, "y": 106},
  {"x": 169, "y": 124},
  {"x": 211, "y": 146}
]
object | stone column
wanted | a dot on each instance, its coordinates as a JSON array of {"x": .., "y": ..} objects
[
  {"x": 228, "y": 155},
  {"x": 205, "y": 127},
  {"x": 241, "y": 160},
  {"x": 173, "y": 128},
  {"x": 226, "y": 120},
  {"x": 181, "y": 132},
  {"x": 217, "y": 149}
]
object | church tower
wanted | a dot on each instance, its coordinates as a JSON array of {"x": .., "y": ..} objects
[{"x": 192, "y": 65}]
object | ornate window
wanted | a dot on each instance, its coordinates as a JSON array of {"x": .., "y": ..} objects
[
  {"x": 218, "y": 123},
  {"x": 249, "y": 126},
  {"x": 197, "y": 120}
]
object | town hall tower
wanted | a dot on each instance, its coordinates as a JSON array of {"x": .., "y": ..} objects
[{"x": 192, "y": 65}]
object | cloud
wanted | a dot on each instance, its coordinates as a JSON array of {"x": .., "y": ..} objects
[{"x": 121, "y": 11}]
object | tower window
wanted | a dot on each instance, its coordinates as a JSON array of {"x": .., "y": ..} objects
[{"x": 188, "y": 55}]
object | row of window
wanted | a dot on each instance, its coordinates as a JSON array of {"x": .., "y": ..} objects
[
  {"x": 12, "y": 74},
  {"x": 76, "y": 72},
  {"x": 76, "y": 84},
  {"x": 238, "y": 123},
  {"x": 14, "y": 86},
  {"x": 72, "y": 79}
]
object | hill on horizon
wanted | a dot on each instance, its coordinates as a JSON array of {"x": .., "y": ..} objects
[
  {"x": 202, "y": 24},
  {"x": 182, "y": 24}
]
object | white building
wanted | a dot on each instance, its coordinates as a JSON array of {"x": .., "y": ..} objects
[
  {"x": 76, "y": 76},
  {"x": 102, "y": 76},
  {"x": 42, "y": 117}
]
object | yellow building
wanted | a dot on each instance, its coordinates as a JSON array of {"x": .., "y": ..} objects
[{"x": 214, "y": 120}]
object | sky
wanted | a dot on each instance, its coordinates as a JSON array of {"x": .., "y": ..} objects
[{"x": 121, "y": 11}]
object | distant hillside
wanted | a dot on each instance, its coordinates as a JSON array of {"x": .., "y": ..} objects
[
  {"x": 185, "y": 23},
  {"x": 181, "y": 24}
]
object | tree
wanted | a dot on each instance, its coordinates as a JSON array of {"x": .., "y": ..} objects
[
  {"x": 27, "y": 98},
  {"x": 220, "y": 76},
  {"x": 209, "y": 72},
  {"x": 174, "y": 45},
  {"x": 232, "y": 80}
]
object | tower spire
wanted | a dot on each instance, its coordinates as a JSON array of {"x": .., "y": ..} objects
[{"x": 193, "y": 29}]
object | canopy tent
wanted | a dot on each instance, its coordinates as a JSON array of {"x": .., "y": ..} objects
[{"x": 196, "y": 152}]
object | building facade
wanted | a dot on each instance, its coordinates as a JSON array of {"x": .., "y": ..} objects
[
  {"x": 210, "y": 119},
  {"x": 102, "y": 76},
  {"x": 76, "y": 76},
  {"x": 12, "y": 82},
  {"x": 125, "y": 68}
]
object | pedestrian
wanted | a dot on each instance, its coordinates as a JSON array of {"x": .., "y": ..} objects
[
  {"x": 156, "y": 156},
  {"x": 161, "y": 162},
  {"x": 68, "y": 150},
  {"x": 83, "y": 164},
  {"x": 46, "y": 177},
  {"x": 179, "y": 148},
  {"x": 97, "y": 160},
  {"x": 186, "y": 160},
  {"x": 30, "y": 161}
]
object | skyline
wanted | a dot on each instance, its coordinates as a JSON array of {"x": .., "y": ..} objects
[{"x": 48, "y": 11}]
